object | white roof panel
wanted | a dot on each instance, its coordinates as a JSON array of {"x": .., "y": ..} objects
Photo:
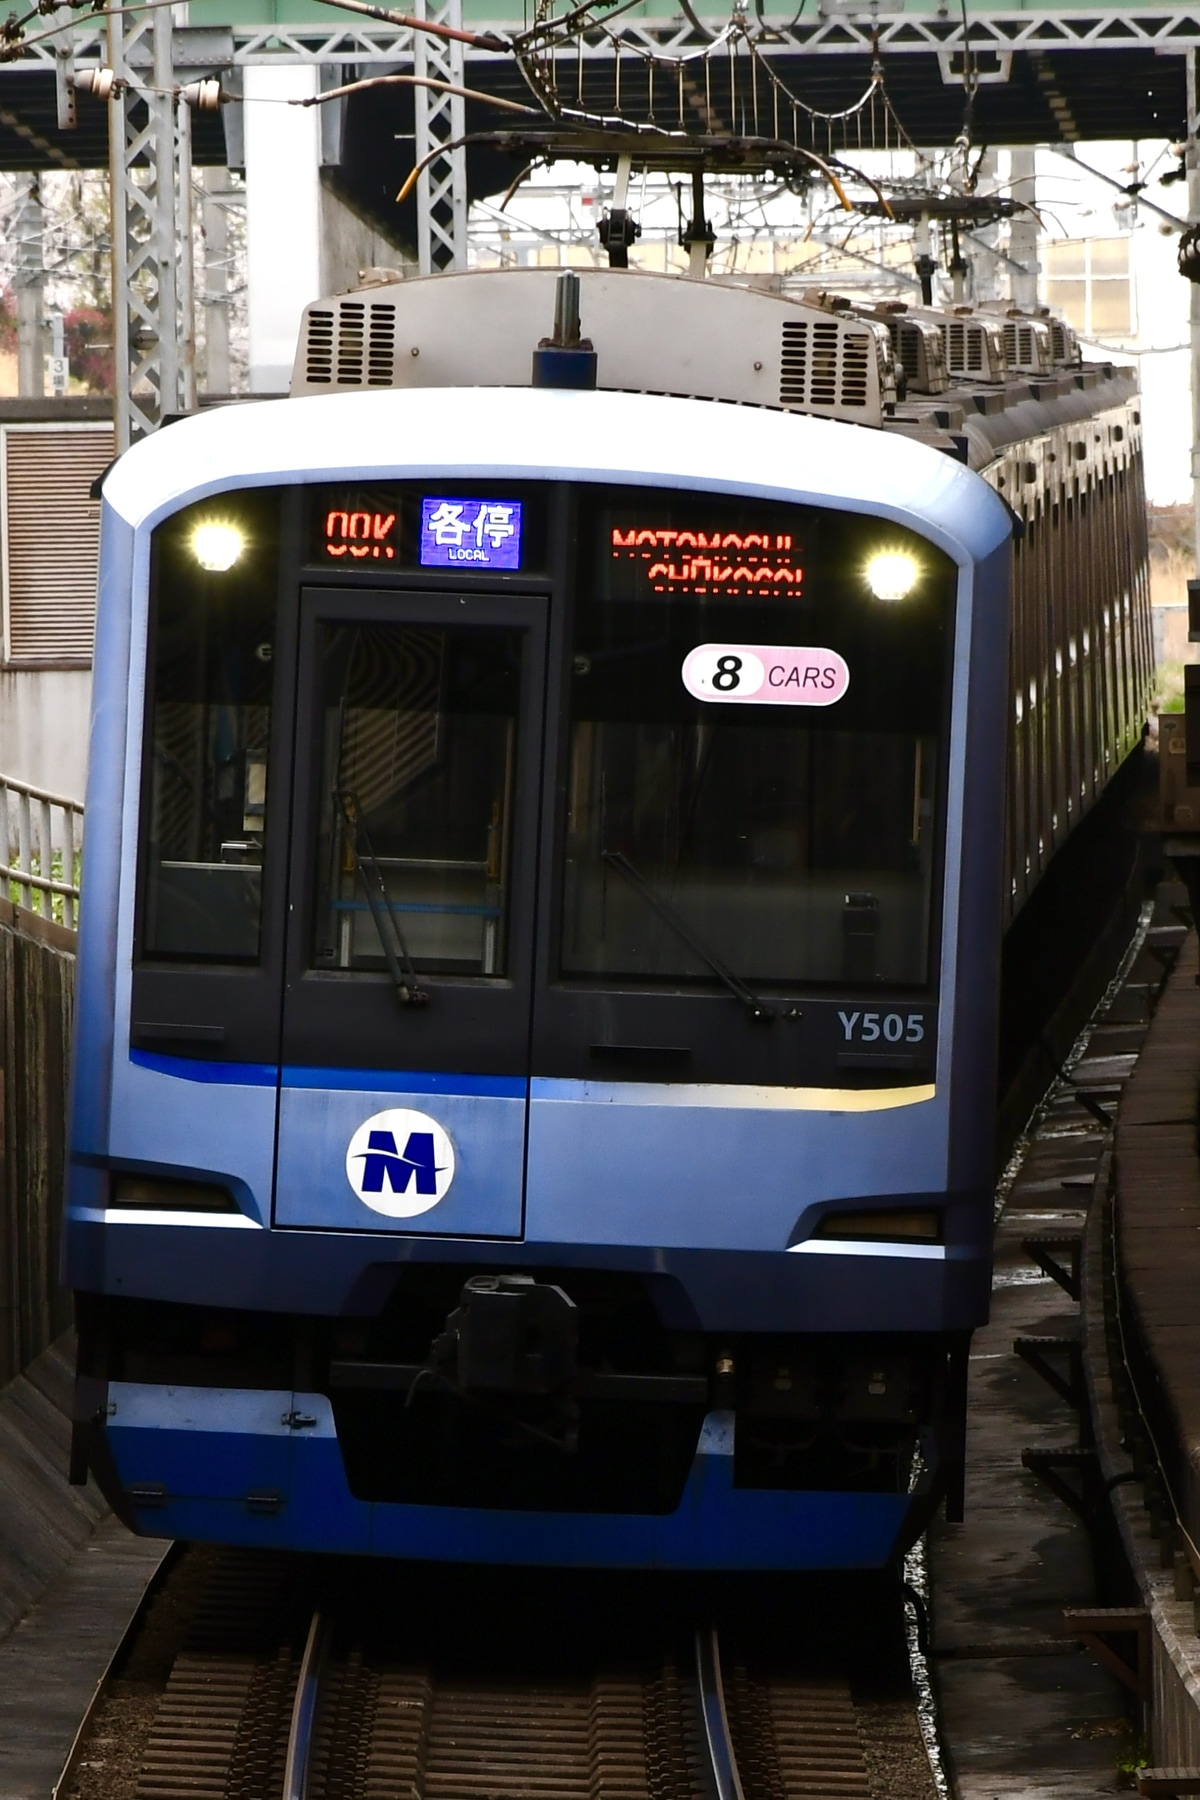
[{"x": 532, "y": 433}]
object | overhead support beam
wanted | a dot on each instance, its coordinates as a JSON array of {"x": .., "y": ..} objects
[
  {"x": 1122, "y": 187},
  {"x": 440, "y": 121},
  {"x": 215, "y": 301},
  {"x": 151, "y": 174},
  {"x": 1023, "y": 230},
  {"x": 1000, "y": 32}
]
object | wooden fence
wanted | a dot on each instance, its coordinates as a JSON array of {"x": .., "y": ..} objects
[{"x": 37, "y": 987}]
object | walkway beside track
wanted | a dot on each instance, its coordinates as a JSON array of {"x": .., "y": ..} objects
[
  {"x": 1000, "y": 1581},
  {"x": 1023, "y": 1714},
  {"x": 71, "y": 1577},
  {"x": 1157, "y": 1215},
  {"x": 1142, "y": 1353}
]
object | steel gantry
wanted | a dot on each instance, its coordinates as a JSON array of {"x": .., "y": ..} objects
[
  {"x": 150, "y": 127},
  {"x": 151, "y": 193},
  {"x": 150, "y": 168},
  {"x": 441, "y": 156},
  {"x": 837, "y": 29}
]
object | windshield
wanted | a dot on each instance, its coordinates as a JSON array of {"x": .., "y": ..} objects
[
  {"x": 212, "y": 632},
  {"x": 419, "y": 738},
  {"x": 759, "y": 735}
]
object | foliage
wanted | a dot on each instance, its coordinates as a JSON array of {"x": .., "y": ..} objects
[
  {"x": 1169, "y": 685},
  {"x": 1133, "y": 1757},
  {"x": 1172, "y": 532},
  {"x": 88, "y": 335}
]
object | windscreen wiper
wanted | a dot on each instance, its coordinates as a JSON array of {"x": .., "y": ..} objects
[
  {"x": 387, "y": 925},
  {"x": 758, "y": 1008}
]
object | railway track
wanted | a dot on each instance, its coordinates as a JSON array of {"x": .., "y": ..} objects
[
  {"x": 698, "y": 1728},
  {"x": 285, "y": 1688}
]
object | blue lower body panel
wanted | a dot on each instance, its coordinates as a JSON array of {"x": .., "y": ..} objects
[{"x": 265, "y": 1469}]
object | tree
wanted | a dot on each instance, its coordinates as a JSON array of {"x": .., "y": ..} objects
[{"x": 88, "y": 336}]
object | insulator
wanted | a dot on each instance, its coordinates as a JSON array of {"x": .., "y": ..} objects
[
  {"x": 203, "y": 96},
  {"x": 1189, "y": 254},
  {"x": 99, "y": 83}
]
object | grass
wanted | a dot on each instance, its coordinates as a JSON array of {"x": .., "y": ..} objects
[{"x": 17, "y": 892}]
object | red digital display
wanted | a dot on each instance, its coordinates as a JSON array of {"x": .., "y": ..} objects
[
  {"x": 729, "y": 564},
  {"x": 361, "y": 535}
]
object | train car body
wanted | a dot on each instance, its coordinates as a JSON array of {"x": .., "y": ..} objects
[{"x": 537, "y": 982}]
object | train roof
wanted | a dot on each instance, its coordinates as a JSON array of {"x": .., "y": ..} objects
[{"x": 530, "y": 433}]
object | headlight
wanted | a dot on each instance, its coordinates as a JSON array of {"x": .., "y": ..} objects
[
  {"x": 217, "y": 546},
  {"x": 892, "y": 574}
]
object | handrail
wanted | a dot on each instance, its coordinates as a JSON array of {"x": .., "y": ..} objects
[
  {"x": 37, "y": 793},
  {"x": 41, "y": 844}
]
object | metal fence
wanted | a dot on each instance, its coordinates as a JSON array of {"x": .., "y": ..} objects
[{"x": 41, "y": 839}]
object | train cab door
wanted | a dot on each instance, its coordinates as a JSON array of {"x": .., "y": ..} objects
[{"x": 410, "y": 912}]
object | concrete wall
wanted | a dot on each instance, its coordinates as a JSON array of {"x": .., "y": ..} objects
[
  {"x": 349, "y": 244},
  {"x": 44, "y": 728}
]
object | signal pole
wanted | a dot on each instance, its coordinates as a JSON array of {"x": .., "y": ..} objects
[{"x": 28, "y": 279}]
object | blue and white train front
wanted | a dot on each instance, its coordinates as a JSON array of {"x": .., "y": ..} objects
[{"x": 537, "y": 983}]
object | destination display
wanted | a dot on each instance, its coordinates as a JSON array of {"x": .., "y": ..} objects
[
  {"x": 360, "y": 536},
  {"x": 694, "y": 560},
  {"x": 405, "y": 526},
  {"x": 481, "y": 534}
]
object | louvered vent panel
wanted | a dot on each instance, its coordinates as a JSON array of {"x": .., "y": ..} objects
[
  {"x": 955, "y": 336},
  {"x": 381, "y": 346},
  {"x": 1021, "y": 347},
  {"x": 351, "y": 344},
  {"x": 51, "y": 541},
  {"x": 974, "y": 358},
  {"x": 856, "y": 367},
  {"x": 793, "y": 380},
  {"x": 318, "y": 357},
  {"x": 824, "y": 366},
  {"x": 823, "y": 378},
  {"x": 908, "y": 343}
]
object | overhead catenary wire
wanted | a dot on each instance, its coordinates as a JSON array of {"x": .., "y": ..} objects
[
  {"x": 758, "y": 94},
  {"x": 425, "y": 81}
]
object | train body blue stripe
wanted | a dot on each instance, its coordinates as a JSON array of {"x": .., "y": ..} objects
[
  {"x": 408, "y": 1081},
  {"x": 195, "y": 1068},
  {"x": 375, "y": 1081}
]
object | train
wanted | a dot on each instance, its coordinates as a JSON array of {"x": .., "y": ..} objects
[{"x": 559, "y": 782}]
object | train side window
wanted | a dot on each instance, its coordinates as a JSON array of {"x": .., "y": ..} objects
[
  {"x": 419, "y": 730},
  {"x": 214, "y": 587}
]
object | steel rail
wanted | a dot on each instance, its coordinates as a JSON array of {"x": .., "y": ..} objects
[
  {"x": 304, "y": 1712},
  {"x": 726, "y": 1782}
]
